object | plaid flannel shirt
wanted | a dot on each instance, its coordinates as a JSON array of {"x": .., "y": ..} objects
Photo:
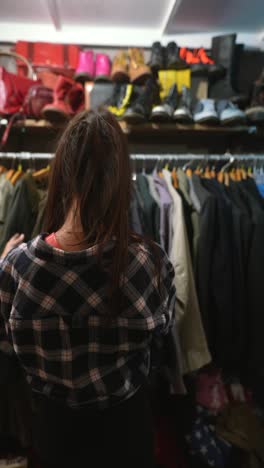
[{"x": 53, "y": 307}]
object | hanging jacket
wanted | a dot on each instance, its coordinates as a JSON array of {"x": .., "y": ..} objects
[
  {"x": 165, "y": 212},
  {"x": 23, "y": 210},
  {"x": 205, "y": 253},
  {"x": 223, "y": 317},
  {"x": 151, "y": 211},
  {"x": 192, "y": 336},
  {"x": 6, "y": 193},
  {"x": 184, "y": 187}
]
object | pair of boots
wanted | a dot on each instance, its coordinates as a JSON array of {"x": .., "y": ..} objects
[
  {"x": 68, "y": 99},
  {"x": 133, "y": 103},
  {"x": 90, "y": 67},
  {"x": 130, "y": 66},
  {"x": 166, "y": 58}
]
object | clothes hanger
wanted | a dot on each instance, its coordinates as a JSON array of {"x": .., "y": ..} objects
[
  {"x": 134, "y": 169},
  {"x": 17, "y": 175},
  {"x": 143, "y": 166},
  {"x": 42, "y": 173},
  {"x": 10, "y": 172},
  {"x": 174, "y": 177},
  {"x": 187, "y": 168}
]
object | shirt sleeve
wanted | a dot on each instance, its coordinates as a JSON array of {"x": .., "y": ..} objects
[
  {"x": 7, "y": 292},
  {"x": 165, "y": 315}
]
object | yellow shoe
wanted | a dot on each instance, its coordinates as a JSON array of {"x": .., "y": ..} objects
[{"x": 121, "y": 99}]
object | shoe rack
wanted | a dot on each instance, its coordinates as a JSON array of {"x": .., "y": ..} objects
[{"x": 146, "y": 138}]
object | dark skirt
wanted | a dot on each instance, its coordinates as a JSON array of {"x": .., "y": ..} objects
[{"x": 121, "y": 436}]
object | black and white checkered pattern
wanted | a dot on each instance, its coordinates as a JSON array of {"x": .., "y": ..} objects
[{"x": 54, "y": 313}]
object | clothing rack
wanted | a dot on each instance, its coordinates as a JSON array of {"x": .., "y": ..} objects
[{"x": 140, "y": 157}]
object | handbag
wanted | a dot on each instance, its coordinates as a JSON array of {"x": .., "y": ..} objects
[
  {"x": 36, "y": 99},
  {"x": 59, "y": 58},
  {"x": 14, "y": 88}
]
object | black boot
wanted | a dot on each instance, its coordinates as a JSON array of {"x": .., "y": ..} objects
[
  {"x": 183, "y": 113},
  {"x": 140, "y": 110},
  {"x": 255, "y": 113},
  {"x": 120, "y": 99},
  {"x": 164, "y": 111},
  {"x": 157, "y": 59},
  {"x": 173, "y": 60},
  {"x": 223, "y": 53}
]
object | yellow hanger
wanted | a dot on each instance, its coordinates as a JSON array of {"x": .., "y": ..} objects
[
  {"x": 207, "y": 173},
  {"x": 244, "y": 173},
  {"x": 10, "y": 174},
  {"x": 249, "y": 172},
  {"x": 174, "y": 177},
  {"x": 226, "y": 179},
  {"x": 42, "y": 173},
  {"x": 2, "y": 169},
  {"x": 232, "y": 175},
  {"x": 238, "y": 174},
  {"x": 189, "y": 172},
  {"x": 17, "y": 175},
  {"x": 220, "y": 177}
]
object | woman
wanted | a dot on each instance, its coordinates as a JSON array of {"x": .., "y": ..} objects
[{"x": 82, "y": 305}]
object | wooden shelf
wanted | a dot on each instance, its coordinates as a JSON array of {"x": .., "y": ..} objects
[{"x": 41, "y": 136}]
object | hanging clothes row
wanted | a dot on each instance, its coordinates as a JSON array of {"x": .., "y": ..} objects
[
  {"x": 211, "y": 222},
  {"x": 207, "y": 213}
]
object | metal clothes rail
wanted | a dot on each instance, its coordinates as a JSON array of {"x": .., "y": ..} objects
[{"x": 141, "y": 157}]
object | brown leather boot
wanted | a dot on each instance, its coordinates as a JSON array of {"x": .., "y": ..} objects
[
  {"x": 138, "y": 71},
  {"x": 120, "y": 67}
]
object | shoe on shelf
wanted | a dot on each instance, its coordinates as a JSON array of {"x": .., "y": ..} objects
[
  {"x": 120, "y": 99},
  {"x": 140, "y": 108},
  {"x": 198, "y": 68},
  {"x": 255, "y": 113},
  {"x": 68, "y": 98},
  {"x": 102, "y": 68},
  {"x": 173, "y": 60},
  {"x": 214, "y": 70},
  {"x": 139, "y": 72},
  {"x": 157, "y": 59},
  {"x": 85, "y": 70},
  {"x": 229, "y": 113},
  {"x": 164, "y": 111},
  {"x": 241, "y": 100},
  {"x": 183, "y": 113},
  {"x": 224, "y": 53},
  {"x": 119, "y": 71},
  {"x": 205, "y": 112}
]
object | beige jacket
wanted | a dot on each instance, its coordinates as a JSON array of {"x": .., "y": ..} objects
[{"x": 193, "y": 341}]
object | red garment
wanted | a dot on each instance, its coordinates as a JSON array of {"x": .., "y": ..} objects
[
  {"x": 52, "y": 240},
  {"x": 169, "y": 453}
]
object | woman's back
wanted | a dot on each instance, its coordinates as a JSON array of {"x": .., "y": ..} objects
[
  {"x": 58, "y": 315},
  {"x": 81, "y": 319}
]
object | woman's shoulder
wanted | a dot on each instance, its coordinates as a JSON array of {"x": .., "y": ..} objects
[
  {"x": 147, "y": 248},
  {"x": 15, "y": 261},
  {"x": 150, "y": 254}
]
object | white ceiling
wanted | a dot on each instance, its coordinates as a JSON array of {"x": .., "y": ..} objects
[
  {"x": 130, "y": 22},
  {"x": 113, "y": 13},
  {"x": 214, "y": 15}
]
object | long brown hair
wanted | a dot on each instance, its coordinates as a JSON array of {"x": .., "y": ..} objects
[{"x": 92, "y": 167}]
